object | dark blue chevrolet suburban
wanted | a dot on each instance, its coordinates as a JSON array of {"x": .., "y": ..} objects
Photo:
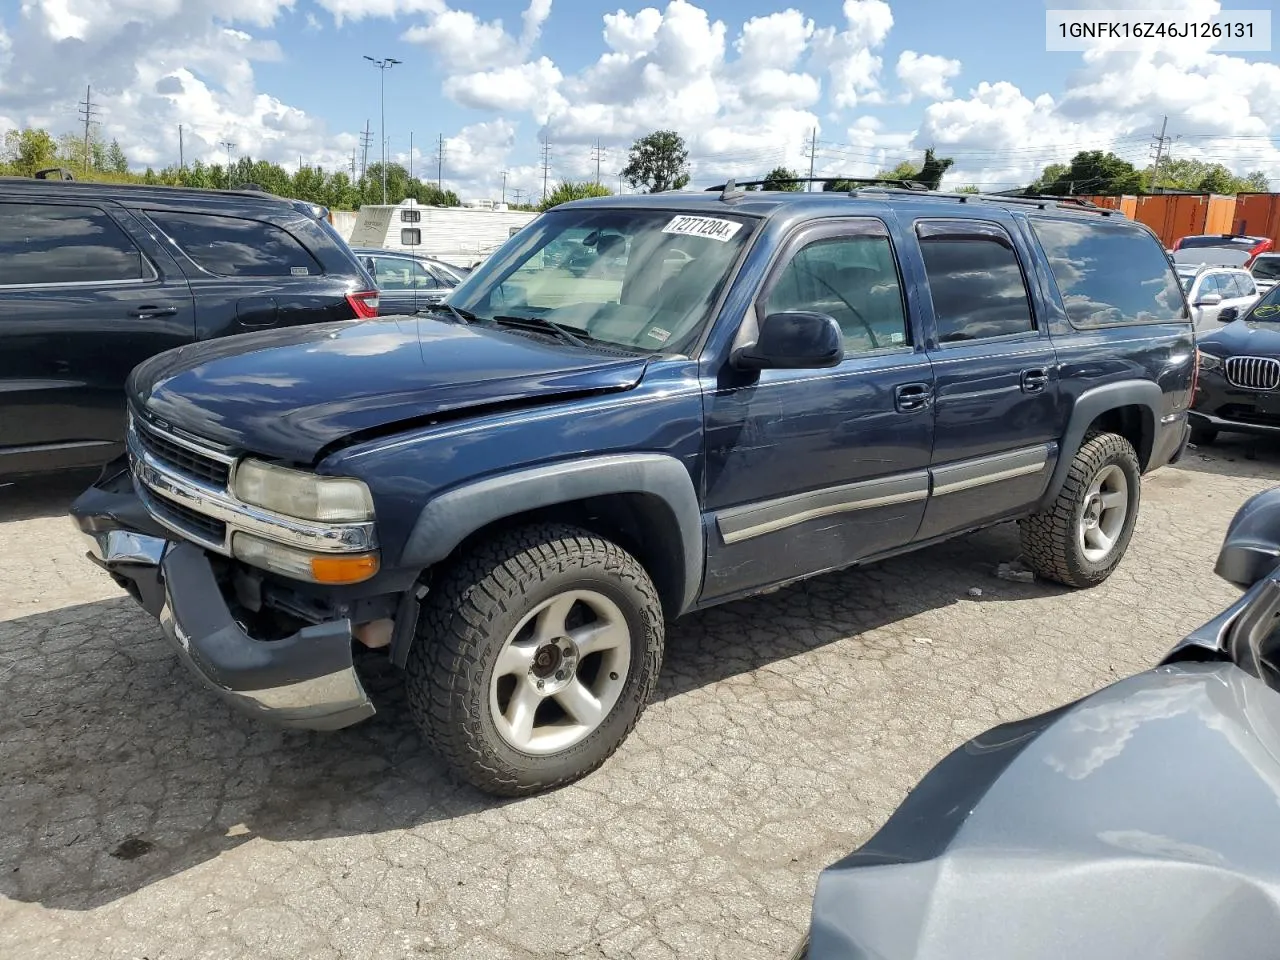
[{"x": 513, "y": 494}]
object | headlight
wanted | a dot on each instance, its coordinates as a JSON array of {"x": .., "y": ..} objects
[
  {"x": 306, "y": 496},
  {"x": 330, "y": 568},
  {"x": 1209, "y": 362}
]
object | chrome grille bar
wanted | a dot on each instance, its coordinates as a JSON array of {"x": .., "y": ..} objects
[{"x": 1253, "y": 373}]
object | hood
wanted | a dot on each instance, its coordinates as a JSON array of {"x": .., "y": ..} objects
[
  {"x": 289, "y": 393},
  {"x": 1254, "y": 338},
  {"x": 1147, "y": 814}
]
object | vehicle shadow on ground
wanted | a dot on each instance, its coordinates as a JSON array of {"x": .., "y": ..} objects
[
  {"x": 1235, "y": 455},
  {"x": 45, "y": 497},
  {"x": 120, "y": 771}
]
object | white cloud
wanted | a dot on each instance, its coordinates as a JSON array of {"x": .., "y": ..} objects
[
  {"x": 534, "y": 16},
  {"x": 462, "y": 41},
  {"x": 925, "y": 75},
  {"x": 530, "y": 87},
  {"x": 847, "y": 54},
  {"x": 777, "y": 40},
  {"x": 356, "y": 10}
]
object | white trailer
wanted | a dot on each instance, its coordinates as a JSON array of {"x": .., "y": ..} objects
[{"x": 460, "y": 235}]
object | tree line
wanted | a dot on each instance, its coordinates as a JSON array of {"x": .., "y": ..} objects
[{"x": 26, "y": 151}]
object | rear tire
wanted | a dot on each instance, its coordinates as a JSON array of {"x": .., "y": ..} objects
[
  {"x": 535, "y": 656},
  {"x": 1082, "y": 537}
]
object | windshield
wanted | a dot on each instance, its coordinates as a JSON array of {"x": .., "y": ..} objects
[
  {"x": 1267, "y": 309},
  {"x": 636, "y": 279},
  {"x": 1266, "y": 268},
  {"x": 1216, "y": 256}
]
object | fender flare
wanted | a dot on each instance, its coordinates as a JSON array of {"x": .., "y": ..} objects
[
  {"x": 454, "y": 515},
  {"x": 1144, "y": 394}
]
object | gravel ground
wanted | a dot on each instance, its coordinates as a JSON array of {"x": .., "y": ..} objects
[{"x": 140, "y": 817}]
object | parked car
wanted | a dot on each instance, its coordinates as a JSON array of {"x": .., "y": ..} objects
[
  {"x": 1266, "y": 271},
  {"x": 407, "y": 282},
  {"x": 1217, "y": 295},
  {"x": 1238, "y": 389},
  {"x": 1096, "y": 830},
  {"x": 95, "y": 278},
  {"x": 1227, "y": 249},
  {"x": 513, "y": 495}
]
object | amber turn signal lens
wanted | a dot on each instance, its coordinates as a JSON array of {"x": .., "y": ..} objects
[{"x": 344, "y": 569}]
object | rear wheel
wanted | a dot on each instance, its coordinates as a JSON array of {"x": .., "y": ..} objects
[
  {"x": 535, "y": 656},
  {"x": 1082, "y": 537}
]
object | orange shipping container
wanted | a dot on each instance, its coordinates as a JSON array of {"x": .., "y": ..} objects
[
  {"x": 1258, "y": 215},
  {"x": 1176, "y": 215},
  {"x": 1126, "y": 204}
]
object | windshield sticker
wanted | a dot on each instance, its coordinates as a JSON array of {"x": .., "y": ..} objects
[
  {"x": 1266, "y": 310},
  {"x": 662, "y": 336},
  {"x": 711, "y": 227},
  {"x": 300, "y": 271}
]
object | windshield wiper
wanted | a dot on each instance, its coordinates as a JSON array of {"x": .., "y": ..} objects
[
  {"x": 573, "y": 336},
  {"x": 462, "y": 316}
]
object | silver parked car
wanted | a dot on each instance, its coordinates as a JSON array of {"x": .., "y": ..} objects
[
  {"x": 407, "y": 282},
  {"x": 1217, "y": 295},
  {"x": 1266, "y": 271}
]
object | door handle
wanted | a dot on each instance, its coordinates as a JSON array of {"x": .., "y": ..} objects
[
  {"x": 1034, "y": 380},
  {"x": 150, "y": 312},
  {"x": 909, "y": 397}
]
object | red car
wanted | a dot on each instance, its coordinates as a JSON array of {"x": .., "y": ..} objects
[{"x": 1245, "y": 248}]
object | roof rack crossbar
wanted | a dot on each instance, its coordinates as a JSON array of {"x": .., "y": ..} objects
[{"x": 912, "y": 185}]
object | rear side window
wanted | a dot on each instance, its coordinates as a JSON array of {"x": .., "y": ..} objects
[
  {"x": 975, "y": 281},
  {"x": 1243, "y": 285},
  {"x": 57, "y": 243},
  {"x": 236, "y": 247},
  {"x": 1109, "y": 275}
]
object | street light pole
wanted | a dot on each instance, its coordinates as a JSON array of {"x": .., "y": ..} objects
[{"x": 383, "y": 65}]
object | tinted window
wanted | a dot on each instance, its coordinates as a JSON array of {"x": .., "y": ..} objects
[
  {"x": 400, "y": 273},
  {"x": 235, "y": 247},
  {"x": 53, "y": 243},
  {"x": 1266, "y": 268},
  {"x": 975, "y": 281},
  {"x": 1244, "y": 285},
  {"x": 853, "y": 279},
  {"x": 410, "y": 237},
  {"x": 1110, "y": 274}
]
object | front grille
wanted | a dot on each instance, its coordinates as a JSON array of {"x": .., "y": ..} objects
[
  {"x": 1253, "y": 373},
  {"x": 182, "y": 458},
  {"x": 187, "y": 520}
]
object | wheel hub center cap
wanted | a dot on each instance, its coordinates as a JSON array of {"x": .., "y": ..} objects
[
  {"x": 1093, "y": 512},
  {"x": 555, "y": 664}
]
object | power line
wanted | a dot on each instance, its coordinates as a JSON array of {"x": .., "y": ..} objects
[
  {"x": 596, "y": 155},
  {"x": 1159, "y": 144},
  {"x": 519, "y": 192},
  {"x": 88, "y": 113}
]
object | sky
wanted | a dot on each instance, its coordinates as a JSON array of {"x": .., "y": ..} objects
[{"x": 749, "y": 84}]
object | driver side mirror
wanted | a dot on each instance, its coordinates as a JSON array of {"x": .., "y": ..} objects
[
  {"x": 1227, "y": 314},
  {"x": 794, "y": 340},
  {"x": 1251, "y": 547},
  {"x": 1209, "y": 300}
]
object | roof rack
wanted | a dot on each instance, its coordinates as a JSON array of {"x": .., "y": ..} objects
[{"x": 732, "y": 185}]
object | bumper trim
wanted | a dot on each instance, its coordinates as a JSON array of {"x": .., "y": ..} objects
[
  {"x": 1233, "y": 426},
  {"x": 304, "y": 680},
  {"x": 125, "y": 546}
]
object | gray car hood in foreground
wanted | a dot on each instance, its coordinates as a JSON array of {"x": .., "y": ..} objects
[{"x": 1142, "y": 821}]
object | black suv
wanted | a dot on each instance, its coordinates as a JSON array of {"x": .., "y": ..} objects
[
  {"x": 95, "y": 278},
  {"x": 512, "y": 495}
]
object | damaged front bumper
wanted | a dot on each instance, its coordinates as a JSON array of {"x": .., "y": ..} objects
[{"x": 305, "y": 680}]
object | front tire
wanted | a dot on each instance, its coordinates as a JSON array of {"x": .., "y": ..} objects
[
  {"x": 1082, "y": 537},
  {"x": 535, "y": 656}
]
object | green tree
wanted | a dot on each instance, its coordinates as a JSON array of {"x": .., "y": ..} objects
[
  {"x": 1093, "y": 172},
  {"x": 658, "y": 161},
  {"x": 971, "y": 188},
  {"x": 116, "y": 161},
  {"x": 26, "y": 151},
  {"x": 1053, "y": 173},
  {"x": 906, "y": 170},
  {"x": 780, "y": 178},
  {"x": 934, "y": 167},
  {"x": 568, "y": 190}
]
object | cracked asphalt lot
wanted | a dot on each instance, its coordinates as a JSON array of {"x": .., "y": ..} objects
[{"x": 140, "y": 817}]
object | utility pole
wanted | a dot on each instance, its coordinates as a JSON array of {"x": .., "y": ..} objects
[
  {"x": 181, "y": 160},
  {"x": 519, "y": 192},
  {"x": 596, "y": 154},
  {"x": 619, "y": 183},
  {"x": 353, "y": 163},
  {"x": 504, "y": 186},
  {"x": 813, "y": 152},
  {"x": 1160, "y": 142},
  {"x": 440, "y": 164},
  {"x": 88, "y": 114},
  {"x": 383, "y": 65},
  {"x": 228, "y": 144},
  {"x": 546, "y": 166},
  {"x": 410, "y": 156},
  {"x": 366, "y": 141}
]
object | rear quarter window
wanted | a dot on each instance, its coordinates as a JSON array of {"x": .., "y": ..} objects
[
  {"x": 237, "y": 246},
  {"x": 64, "y": 243},
  {"x": 1109, "y": 275}
]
